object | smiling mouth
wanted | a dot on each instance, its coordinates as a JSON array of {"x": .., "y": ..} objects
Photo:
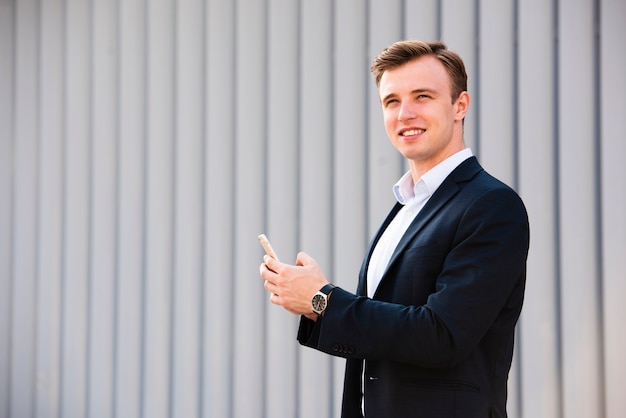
[{"x": 412, "y": 132}]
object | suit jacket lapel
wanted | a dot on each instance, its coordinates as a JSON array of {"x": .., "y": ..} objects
[
  {"x": 442, "y": 195},
  {"x": 432, "y": 207},
  {"x": 362, "y": 285}
]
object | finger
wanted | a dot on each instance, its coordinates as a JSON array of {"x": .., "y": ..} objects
[
  {"x": 272, "y": 264},
  {"x": 264, "y": 272},
  {"x": 270, "y": 287},
  {"x": 274, "y": 298}
]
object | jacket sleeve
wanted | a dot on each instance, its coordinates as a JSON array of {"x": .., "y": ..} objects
[{"x": 479, "y": 288}]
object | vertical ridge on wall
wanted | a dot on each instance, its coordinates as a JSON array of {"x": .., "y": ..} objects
[
  {"x": 558, "y": 251},
  {"x": 143, "y": 280},
  {"x": 7, "y": 94},
  {"x": 597, "y": 198},
  {"x": 202, "y": 379},
  {"x": 334, "y": 399},
  {"x": 515, "y": 402},
  {"x": 556, "y": 175}
]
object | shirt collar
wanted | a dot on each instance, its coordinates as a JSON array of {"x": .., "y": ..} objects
[{"x": 404, "y": 189}]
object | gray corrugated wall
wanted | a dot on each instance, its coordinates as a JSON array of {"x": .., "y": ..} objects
[{"x": 145, "y": 143}]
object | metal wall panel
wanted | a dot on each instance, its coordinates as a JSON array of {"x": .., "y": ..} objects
[
  {"x": 612, "y": 173},
  {"x": 158, "y": 284},
  {"x": 458, "y": 29},
  {"x": 496, "y": 81},
  {"x": 280, "y": 205},
  {"x": 189, "y": 219},
  {"x": 130, "y": 226},
  {"x": 102, "y": 248},
  {"x": 385, "y": 165},
  {"x": 144, "y": 145},
  {"x": 249, "y": 135},
  {"x": 495, "y": 119},
  {"x": 24, "y": 200},
  {"x": 578, "y": 216},
  {"x": 539, "y": 346},
  {"x": 315, "y": 191},
  {"x": 51, "y": 206},
  {"x": 351, "y": 98},
  {"x": 220, "y": 249}
]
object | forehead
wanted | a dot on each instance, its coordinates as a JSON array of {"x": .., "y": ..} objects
[{"x": 424, "y": 73}]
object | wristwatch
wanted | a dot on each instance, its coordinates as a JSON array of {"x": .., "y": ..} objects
[{"x": 320, "y": 299}]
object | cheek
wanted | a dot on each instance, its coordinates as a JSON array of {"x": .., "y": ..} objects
[{"x": 390, "y": 120}]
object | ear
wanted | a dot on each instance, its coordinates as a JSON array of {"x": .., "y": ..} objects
[{"x": 462, "y": 105}]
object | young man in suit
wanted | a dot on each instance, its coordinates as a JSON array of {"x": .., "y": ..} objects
[{"x": 430, "y": 330}]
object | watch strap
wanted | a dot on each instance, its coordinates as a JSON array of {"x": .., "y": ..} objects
[{"x": 327, "y": 289}]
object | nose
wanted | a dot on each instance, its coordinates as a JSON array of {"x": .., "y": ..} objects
[{"x": 406, "y": 111}]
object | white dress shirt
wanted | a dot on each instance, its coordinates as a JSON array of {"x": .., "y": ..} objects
[{"x": 413, "y": 197}]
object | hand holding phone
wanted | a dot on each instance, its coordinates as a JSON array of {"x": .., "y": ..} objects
[{"x": 267, "y": 246}]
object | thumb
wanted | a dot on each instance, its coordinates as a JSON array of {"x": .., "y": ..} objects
[{"x": 303, "y": 259}]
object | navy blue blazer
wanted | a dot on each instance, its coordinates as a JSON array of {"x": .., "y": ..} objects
[{"x": 438, "y": 334}]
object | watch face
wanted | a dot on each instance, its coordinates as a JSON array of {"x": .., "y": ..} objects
[{"x": 319, "y": 303}]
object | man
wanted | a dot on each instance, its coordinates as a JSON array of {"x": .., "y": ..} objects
[{"x": 430, "y": 330}]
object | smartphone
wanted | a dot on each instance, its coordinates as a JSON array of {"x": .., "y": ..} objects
[{"x": 267, "y": 246}]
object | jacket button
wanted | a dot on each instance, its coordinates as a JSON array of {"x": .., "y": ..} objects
[{"x": 335, "y": 348}]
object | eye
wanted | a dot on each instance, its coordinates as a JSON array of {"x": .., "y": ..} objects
[{"x": 391, "y": 102}]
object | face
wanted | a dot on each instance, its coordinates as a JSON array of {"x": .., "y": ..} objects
[{"x": 420, "y": 119}]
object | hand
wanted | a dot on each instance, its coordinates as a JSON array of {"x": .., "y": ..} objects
[{"x": 293, "y": 286}]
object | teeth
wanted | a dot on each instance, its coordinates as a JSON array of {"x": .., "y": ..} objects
[{"x": 412, "y": 132}]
